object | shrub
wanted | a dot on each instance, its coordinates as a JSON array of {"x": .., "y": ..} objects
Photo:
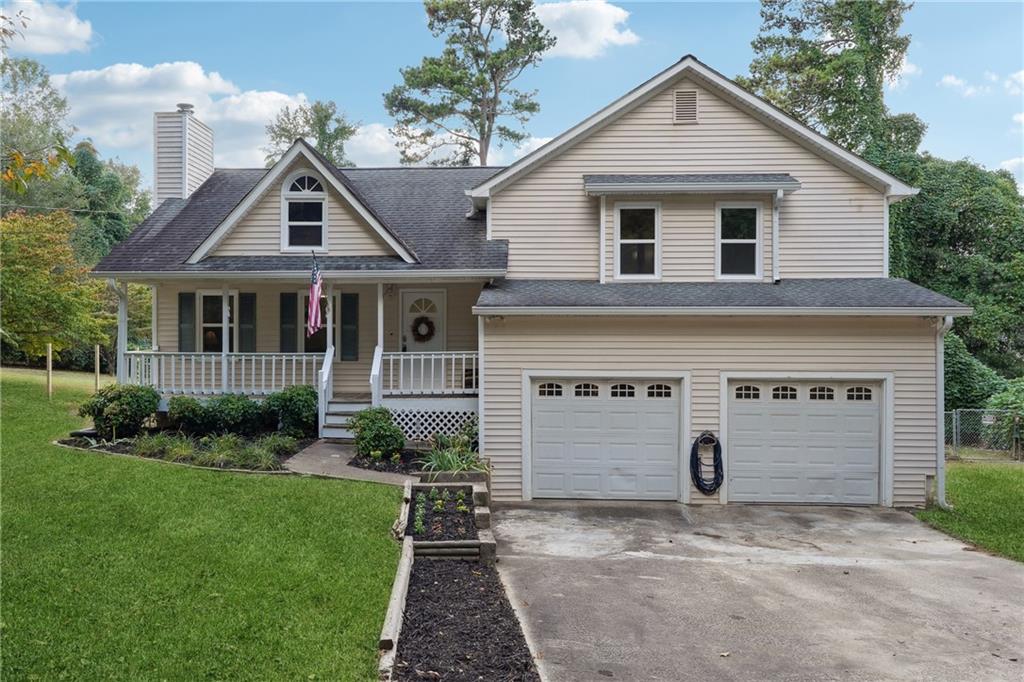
[
  {"x": 1012, "y": 400},
  {"x": 279, "y": 445},
  {"x": 294, "y": 411},
  {"x": 189, "y": 415},
  {"x": 235, "y": 414},
  {"x": 376, "y": 431},
  {"x": 119, "y": 410},
  {"x": 969, "y": 382}
]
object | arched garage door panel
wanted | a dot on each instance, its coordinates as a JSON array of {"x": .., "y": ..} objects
[
  {"x": 809, "y": 442},
  {"x": 605, "y": 439}
]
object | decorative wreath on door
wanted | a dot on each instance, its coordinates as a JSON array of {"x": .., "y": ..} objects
[{"x": 422, "y": 329}]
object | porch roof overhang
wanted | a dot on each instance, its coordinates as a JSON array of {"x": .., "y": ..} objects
[
  {"x": 689, "y": 183},
  {"x": 796, "y": 297}
]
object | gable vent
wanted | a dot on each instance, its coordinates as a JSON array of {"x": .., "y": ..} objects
[{"x": 685, "y": 109}]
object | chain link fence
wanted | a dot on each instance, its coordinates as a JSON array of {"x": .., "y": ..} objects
[{"x": 984, "y": 435}]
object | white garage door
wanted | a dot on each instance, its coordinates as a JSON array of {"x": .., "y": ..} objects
[
  {"x": 811, "y": 442},
  {"x": 599, "y": 438}
]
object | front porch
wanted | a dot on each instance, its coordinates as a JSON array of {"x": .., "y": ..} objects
[{"x": 410, "y": 347}]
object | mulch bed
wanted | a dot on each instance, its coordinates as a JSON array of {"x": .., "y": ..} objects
[
  {"x": 459, "y": 625},
  {"x": 449, "y": 524},
  {"x": 406, "y": 465},
  {"x": 124, "y": 446}
]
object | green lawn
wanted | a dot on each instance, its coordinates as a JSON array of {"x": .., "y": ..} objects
[
  {"x": 988, "y": 506},
  {"x": 132, "y": 569}
]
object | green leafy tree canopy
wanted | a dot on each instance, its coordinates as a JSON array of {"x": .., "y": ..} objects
[
  {"x": 451, "y": 108},
  {"x": 320, "y": 123}
]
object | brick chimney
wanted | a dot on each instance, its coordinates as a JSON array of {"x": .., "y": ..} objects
[{"x": 182, "y": 153}]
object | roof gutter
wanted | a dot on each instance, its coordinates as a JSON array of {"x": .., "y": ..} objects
[
  {"x": 372, "y": 275},
  {"x": 940, "y": 410},
  {"x": 597, "y": 189},
  {"x": 654, "y": 311}
]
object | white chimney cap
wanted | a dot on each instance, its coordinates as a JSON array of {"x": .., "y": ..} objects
[{"x": 185, "y": 107}]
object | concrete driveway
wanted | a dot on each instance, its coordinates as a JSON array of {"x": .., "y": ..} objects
[{"x": 658, "y": 591}]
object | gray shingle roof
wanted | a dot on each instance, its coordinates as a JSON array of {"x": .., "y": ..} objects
[
  {"x": 794, "y": 293},
  {"x": 424, "y": 207}
]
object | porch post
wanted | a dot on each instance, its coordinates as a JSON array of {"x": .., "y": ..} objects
[
  {"x": 380, "y": 314},
  {"x": 225, "y": 331},
  {"x": 122, "y": 329},
  {"x": 330, "y": 336}
]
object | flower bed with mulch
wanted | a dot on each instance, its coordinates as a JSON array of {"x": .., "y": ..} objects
[
  {"x": 406, "y": 463},
  {"x": 459, "y": 626},
  {"x": 225, "y": 451},
  {"x": 442, "y": 513}
]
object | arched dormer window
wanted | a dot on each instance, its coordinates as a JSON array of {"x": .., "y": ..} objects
[{"x": 303, "y": 213}]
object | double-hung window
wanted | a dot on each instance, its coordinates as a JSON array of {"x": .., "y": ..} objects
[
  {"x": 738, "y": 240},
  {"x": 211, "y": 322},
  {"x": 637, "y": 241},
  {"x": 303, "y": 214}
]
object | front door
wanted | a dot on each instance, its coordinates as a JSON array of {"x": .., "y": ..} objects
[{"x": 423, "y": 333}]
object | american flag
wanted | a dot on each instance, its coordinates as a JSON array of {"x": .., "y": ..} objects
[{"x": 314, "y": 321}]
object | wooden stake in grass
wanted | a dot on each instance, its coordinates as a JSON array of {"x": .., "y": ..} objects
[
  {"x": 96, "y": 364},
  {"x": 49, "y": 370}
]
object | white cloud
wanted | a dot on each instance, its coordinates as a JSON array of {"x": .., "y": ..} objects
[
  {"x": 963, "y": 87},
  {"x": 373, "y": 145},
  {"x": 902, "y": 77},
  {"x": 114, "y": 106},
  {"x": 504, "y": 156},
  {"x": 585, "y": 28},
  {"x": 52, "y": 28},
  {"x": 1016, "y": 166},
  {"x": 1014, "y": 83},
  {"x": 1019, "y": 118},
  {"x": 991, "y": 77}
]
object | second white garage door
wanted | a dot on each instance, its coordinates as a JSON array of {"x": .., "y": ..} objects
[
  {"x": 608, "y": 439},
  {"x": 804, "y": 442}
]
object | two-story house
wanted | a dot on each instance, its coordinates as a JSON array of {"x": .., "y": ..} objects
[{"x": 689, "y": 258}]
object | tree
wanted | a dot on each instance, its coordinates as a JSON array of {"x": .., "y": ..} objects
[
  {"x": 35, "y": 131},
  {"x": 450, "y": 108},
  {"x": 969, "y": 382},
  {"x": 113, "y": 201},
  {"x": 47, "y": 296},
  {"x": 318, "y": 122},
  {"x": 827, "y": 62}
]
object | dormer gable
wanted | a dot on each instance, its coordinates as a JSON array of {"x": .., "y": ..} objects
[{"x": 302, "y": 205}]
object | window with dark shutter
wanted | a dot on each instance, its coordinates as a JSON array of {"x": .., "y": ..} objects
[
  {"x": 186, "y": 322},
  {"x": 350, "y": 326},
  {"x": 247, "y": 323},
  {"x": 289, "y": 322}
]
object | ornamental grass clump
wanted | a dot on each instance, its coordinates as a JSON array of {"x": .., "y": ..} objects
[{"x": 454, "y": 454}]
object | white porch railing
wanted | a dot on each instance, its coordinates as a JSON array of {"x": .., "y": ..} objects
[
  {"x": 441, "y": 373},
  {"x": 206, "y": 373}
]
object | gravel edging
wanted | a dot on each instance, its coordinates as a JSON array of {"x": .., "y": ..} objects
[{"x": 109, "y": 453}]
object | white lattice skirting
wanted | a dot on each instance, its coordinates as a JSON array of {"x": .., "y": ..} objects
[{"x": 422, "y": 424}]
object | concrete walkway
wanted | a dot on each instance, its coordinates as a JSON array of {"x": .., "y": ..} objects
[
  {"x": 331, "y": 459},
  {"x": 633, "y": 591}
]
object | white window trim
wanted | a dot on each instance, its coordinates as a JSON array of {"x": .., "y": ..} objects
[
  {"x": 656, "y": 205},
  {"x": 300, "y": 323},
  {"x": 758, "y": 241},
  {"x": 287, "y": 196},
  {"x": 232, "y": 323}
]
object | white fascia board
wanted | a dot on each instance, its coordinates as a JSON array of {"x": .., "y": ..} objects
[
  {"x": 660, "y": 311},
  {"x": 372, "y": 275},
  {"x": 274, "y": 175},
  {"x": 597, "y": 189},
  {"x": 891, "y": 185}
]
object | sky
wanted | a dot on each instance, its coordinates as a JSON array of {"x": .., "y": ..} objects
[{"x": 241, "y": 62}]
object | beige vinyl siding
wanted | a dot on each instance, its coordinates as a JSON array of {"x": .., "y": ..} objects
[
  {"x": 349, "y": 376},
  {"x": 688, "y": 234},
  {"x": 832, "y": 227},
  {"x": 258, "y": 233},
  {"x": 167, "y": 158},
  {"x": 706, "y": 347},
  {"x": 199, "y": 155}
]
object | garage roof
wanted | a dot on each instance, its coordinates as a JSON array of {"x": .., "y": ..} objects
[{"x": 850, "y": 296}]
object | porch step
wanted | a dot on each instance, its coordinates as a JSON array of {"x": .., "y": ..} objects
[
  {"x": 336, "y": 418},
  {"x": 337, "y": 432},
  {"x": 338, "y": 407}
]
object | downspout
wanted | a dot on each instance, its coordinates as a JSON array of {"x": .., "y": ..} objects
[
  {"x": 940, "y": 411},
  {"x": 775, "y": 234}
]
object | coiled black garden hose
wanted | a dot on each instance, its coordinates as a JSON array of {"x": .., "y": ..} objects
[{"x": 705, "y": 439}]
